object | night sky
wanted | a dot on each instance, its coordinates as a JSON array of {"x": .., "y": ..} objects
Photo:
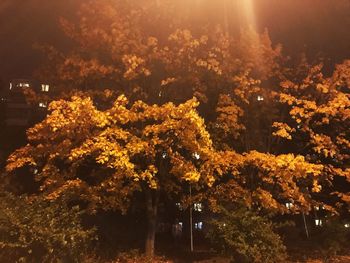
[{"x": 314, "y": 26}]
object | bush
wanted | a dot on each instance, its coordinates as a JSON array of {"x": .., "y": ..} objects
[
  {"x": 332, "y": 238},
  {"x": 40, "y": 231},
  {"x": 246, "y": 237}
]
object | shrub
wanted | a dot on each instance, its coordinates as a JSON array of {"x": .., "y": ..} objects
[
  {"x": 246, "y": 237},
  {"x": 40, "y": 231},
  {"x": 332, "y": 238}
]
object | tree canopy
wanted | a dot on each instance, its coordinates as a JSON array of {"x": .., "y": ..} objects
[{"x": 226, "y": 114}]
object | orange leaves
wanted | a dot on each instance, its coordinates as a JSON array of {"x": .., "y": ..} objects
[
  {"x": 323, "y": 145},
  {"x": 192, "y": 176},
  {"x": 124, "y": 145},
  {"x": 149, "y": 176},
  {"x": 284, "y": 165},
  {"x": 265, "y": 199},
  {"x": 283, "y": 130},
  {"x": 68, "y": 185},
  {"x": 260, "y": 173},
  {"x": 20, "y": 158},
  {"x": 167, "y": 81},
  {"x": 320, "y": 108},
  {"x": 211, "y": 65},
  {"x": 180, "y": 36},
  {"x": 228, "y": 116},
  {"x": 134, "y": 66},
  {"x": 319, "y": 117}
]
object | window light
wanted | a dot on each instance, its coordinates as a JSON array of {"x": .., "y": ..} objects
[
  {"x": 260, "y": 98},
  {"x": 318, "y": 222},
  {"x": 289, "y": 205},
  {"x": 179, "y": 206},
  {"x": 42, "y": 104},
  {"x": 45, "y": 87},
  {"x": 196, "y": 156},
  {"x": 198, "y": 207},
  {"x": 198, "y": 225}
]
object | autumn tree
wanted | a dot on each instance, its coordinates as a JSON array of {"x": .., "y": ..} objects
[
  {"x": 107, "y": 156},
  {"x": 117, "y": 50},
  {"x": 107, "y": 149},
  {"x": 317, "y": 124},
  {"x": 143, "y": 49},
  {"x": 140, "y": 48}
]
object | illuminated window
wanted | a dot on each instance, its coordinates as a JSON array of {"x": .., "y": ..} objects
[
  {"x": 289, "y": 205},
  {"x": 42, "y": 104},
  {"x": 198, "y": 207},
  {"x": 196, "y": 156},
  {"x": 198, "y": 225},
  {"x": 23, "y": 84},
  {"x": 318, "y": 222},
  {"x": 164, "y": 155},
  {"x": 45, "y": 87},
  {"x": 179, "y": 206},
  {"x": 260, "y": 98},
  {"x": 317, "y": 208}
]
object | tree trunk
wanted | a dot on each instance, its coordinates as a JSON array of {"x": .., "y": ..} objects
[{"x": 152, "y": 205}]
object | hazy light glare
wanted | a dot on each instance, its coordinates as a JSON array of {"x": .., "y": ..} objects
[{"x": 249, "y": 12}]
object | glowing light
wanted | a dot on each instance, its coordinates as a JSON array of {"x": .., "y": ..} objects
[
  {"x": 289, "y": 205},
  {"x": 42, "y": 104},
  {"x": 198, "y": 207},
  {"x": 249, "y": 12},
  {"x": 260, "y": 98},
  {"x": 26, "y": 85},
  {"x": 45, "y": 88},
  {"x": 179, "y": 206},
  {"x": 198, "y": 225},
  {"x": 196, "y": 156},
  {"x": 318, "y": 222}
]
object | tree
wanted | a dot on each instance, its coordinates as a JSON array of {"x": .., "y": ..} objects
[
  {"x": 107, "y": 149},
  {"x": 140, "y": 49},
  {"x": 107, "y": 156},
  {"x": 318, "y": 125}
]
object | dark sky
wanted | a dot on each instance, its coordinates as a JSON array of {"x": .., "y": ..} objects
[{"x": 316, "y": 26}]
